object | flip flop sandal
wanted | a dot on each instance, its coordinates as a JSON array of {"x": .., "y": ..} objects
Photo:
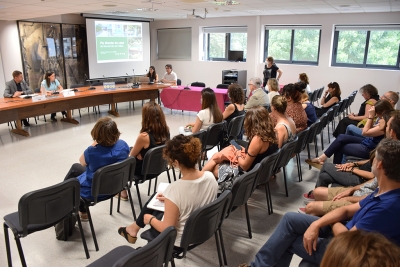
[
  {"x": 314, "y": 164},
  {"x": 122, "y": 231}
]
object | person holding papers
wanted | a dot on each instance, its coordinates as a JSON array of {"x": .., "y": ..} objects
[
  {"x": 49, "y": 86},
  {"x": 194, "y": 190},
  {"x": 17, "y": 87},
  {"x": 169, "y": 76}
]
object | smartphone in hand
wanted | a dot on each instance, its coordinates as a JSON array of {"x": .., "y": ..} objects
[{"x": 238, "y": 147}]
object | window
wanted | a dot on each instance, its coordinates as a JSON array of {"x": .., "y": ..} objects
[
  {"x": 293, "y": 44},
  {"x": 367, "y": 46},
  {"x": 218, "y": 41}
]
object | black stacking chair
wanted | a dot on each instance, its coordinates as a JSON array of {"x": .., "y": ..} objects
[
  {"x": 323, "y": 122},
  {"x": 213, "y": 137},
  {"x": 198, "y": 84},
  {"x": 331, "y": 117},
  {"x": 313, "y": 97},
  {"x": 41, "y": 209},
  {"x": 321, "y": 90},
  {"x": 235, "y": 127},
  {"x": 178, "y": 82},
  {"x": 242, "y": 188},
  {"x": 157, "y": 253},
  {"x": 300, "y": 146},
  {"x": 153, "y": 165},
  {"x": 223, "y": 86},
  {"x": 284, "y": 157},
  {"x": 311, "y": 138},
  {"x": 201, "y": 225},
  {"x": 264, "y": 173},
  {"x": 107, "y": 182}
]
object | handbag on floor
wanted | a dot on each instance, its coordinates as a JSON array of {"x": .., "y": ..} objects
[{"x": 65, "y": 228}]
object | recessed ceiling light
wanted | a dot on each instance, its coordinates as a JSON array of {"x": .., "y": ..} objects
[{"x": 110, "y": 5}]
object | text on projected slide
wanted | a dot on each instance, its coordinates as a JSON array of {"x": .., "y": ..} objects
[{"x": 120, "y": 41}]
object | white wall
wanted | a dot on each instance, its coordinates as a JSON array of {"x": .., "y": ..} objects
[{"x": 350, "y": 79}]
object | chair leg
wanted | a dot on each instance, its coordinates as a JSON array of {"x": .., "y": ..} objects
[
  {"x": 119, "y": 202},
  {"x": 309, "y": 155},
  {"x": 20, "y": 251},
  {"x": 329, "y": 138},
  {"x": 172, "y": 262},
  {"x": 248, "y": 220},
  {"x": 131, "y": 201},
  {"x": 218, "y": 248},
  {"x": 222, "y": 247},
  {"x": 322, "y": 140},
  {"x": 284, "y": 177},
  {"x": 169, "y": 177},
  {"x": 82, "y": 236},
  {"x": 111, "y": 204},
  {"x": 7, "y": 240},
  {"x": 92, "y": 228},
  {"x": 155, "y": 185},
  {"x": 138, "y": 194},
  {"x": 268, "y": 196},
  {"x": 299, "y": 168},
  {"x": 148, "y": 191}
]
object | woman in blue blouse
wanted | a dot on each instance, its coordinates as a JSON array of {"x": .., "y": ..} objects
[
  {"x": 50, "y": 85},
  {"x": 106, "y": 149}
]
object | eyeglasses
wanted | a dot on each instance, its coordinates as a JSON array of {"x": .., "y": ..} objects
[{"x": 250, "y": 84}]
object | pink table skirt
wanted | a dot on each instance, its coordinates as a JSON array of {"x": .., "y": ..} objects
[{"x": 181, "y": 99}]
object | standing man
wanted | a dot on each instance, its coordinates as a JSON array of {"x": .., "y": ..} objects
[
  {"x": 16, "y": 87},
  {"x": 257, "y": 96},
  {"x": 169, "y": 76}
]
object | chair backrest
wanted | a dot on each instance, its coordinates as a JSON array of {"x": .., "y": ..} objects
[
  {"x": 235, "y": 126},
  {"x": 224, "y": 86},
  {"x": 198, "y": 84},
  {"x": 97, "y": 83},
  {"x": 49, "y": 205},
  {"x": 301, "y": 143},
  {"x": 286, "y": 154},
  {"x": 312, "y": 132},
  {"x": 338, "y": 110},
  {"x": 323, "y": 121},
  {"x": 155, "y": 254},
  {"x": 201, "y": 135},
  {"x": 111, "y": 179},
  {"x": 343, "y": 106},
  {"x": 321, "y": 90},
  {"x": 331, "y": 115},
  {"x": 178, "y": 82},
  {"x": 214, "y": 134},
  {"x": 153, "y": 162},
  {"x": 314, "y": 96},
  {"x": 266, "y": 168},
  {"x": 77, "y": 85},
  {"x": 205, "y": 221},
  {"x": 243, "y": 187}
]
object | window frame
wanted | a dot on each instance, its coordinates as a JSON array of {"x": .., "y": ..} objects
[
  {"x": 293, "y": 29},
  {"x": 364, "y": 65},
  {"x": 206, "y": 44}
]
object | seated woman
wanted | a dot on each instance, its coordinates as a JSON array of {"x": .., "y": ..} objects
[
  {"x": 236, "y": 108},
  {"x": 272, "y": 88},
  {"x": 370, "y": 94},
  {"x": 154, "y": 132},
  {"x": 50, "y": 85},
  {"x": 259, "y": 130},
  {"x": 194, "y": 190},
  {"x": 330, "y": 98},
  {"x": 285, "y": 127},
  {"x": 356, "y": 146},
  {"x": 106, "y": 149},
  {"x": 152, "y": 74},
  {"x": 304, "y": 78},
  {"x": 293, "y": 94},
  {"x": 309, "y": 109},
  {"x": 209, "y": 113}
]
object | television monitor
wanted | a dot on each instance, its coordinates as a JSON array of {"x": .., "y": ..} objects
[{"x": 235, "y": 55}]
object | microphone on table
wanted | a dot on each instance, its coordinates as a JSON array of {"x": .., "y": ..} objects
[
  {"x": 135, "y": 84},
  {"x": 186, "y": 87},
  {"x": 91, "y": 87}
]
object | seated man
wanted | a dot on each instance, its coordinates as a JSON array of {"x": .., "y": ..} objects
[
  {"x": 308, "y": 236},
  {"x": 257, "y": 96},
  {"x": 16, "y": 87},
  {"x": 169, "y": 76}
]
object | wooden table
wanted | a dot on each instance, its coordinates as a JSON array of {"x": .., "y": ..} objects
[{"x": 15, "y": 109}]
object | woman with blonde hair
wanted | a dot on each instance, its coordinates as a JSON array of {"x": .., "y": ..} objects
[
  {"x": 309, "y": 109},
  {"x": 285, "y": 127},
  {"x": 194, "y": 190},
  {"x": 304, "y": 78},
  {"x": 272, "y": 88},
  {"x": 260, "y": 132}
]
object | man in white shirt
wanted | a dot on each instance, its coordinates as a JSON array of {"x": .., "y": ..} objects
[{"x": 169, "y": 76}]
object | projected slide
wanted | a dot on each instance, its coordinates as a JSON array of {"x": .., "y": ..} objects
[{"x": 118, "y": 41}]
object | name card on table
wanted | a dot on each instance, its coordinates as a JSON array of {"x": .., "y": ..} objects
[
  {"x": 38, "y": 98},
  {"x": 109, "y": 86},
  {"x": 68, "y": 92}
]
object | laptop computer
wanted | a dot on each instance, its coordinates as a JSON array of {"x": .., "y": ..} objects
[{"x": 144, "y": 79}]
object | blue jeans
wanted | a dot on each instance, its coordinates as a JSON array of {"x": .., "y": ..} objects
[
  {"x": 354, "y": 131},
  {"x": 287, "y": 240},
  {"x": 347, "y": 145}
]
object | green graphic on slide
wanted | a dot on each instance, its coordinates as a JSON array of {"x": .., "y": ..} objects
[{"x": 112, "y": 48}]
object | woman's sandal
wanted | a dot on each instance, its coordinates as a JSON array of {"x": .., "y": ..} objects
[
  {"x": 122, "y": 231},
  {"x": 122, "y": 198},
  {"x": 316, "y": 163}
]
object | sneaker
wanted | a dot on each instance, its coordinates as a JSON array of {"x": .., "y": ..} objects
[
  {"x": 308, "y": 197},
  {"x": 301, "y": 210},
  {"x": 84, "y": 216}
]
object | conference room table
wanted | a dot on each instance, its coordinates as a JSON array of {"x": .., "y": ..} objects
[
  {"x": 176, "y": 97},
  {"x": 15, "y": 109}
]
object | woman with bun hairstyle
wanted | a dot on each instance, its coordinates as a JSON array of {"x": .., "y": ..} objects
[
  {"x": 194, "y": 190},
  {"x": 285, "y": 127},
  {"x": 330, "y": 98},
  {"x": 293, "y": 94}
]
